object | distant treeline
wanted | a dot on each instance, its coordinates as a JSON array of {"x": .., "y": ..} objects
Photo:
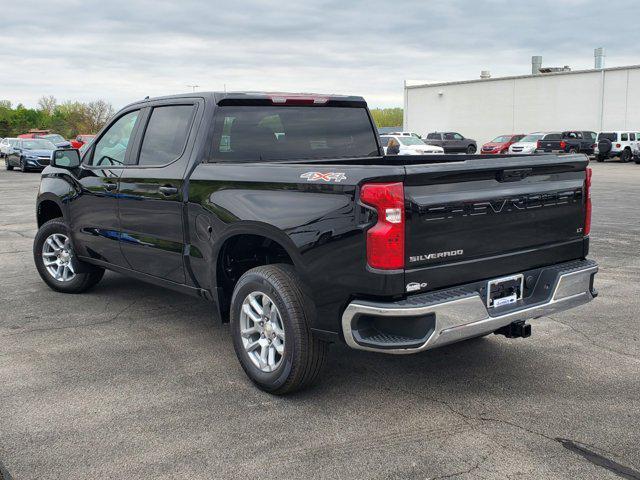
[
  {"x": 69, "y": 119},
  {"x": 387, "y": 117}
]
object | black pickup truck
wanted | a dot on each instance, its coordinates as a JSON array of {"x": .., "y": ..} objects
[
  {"x": 573, "y": 141},
  {"x": 282, "y": 211}
]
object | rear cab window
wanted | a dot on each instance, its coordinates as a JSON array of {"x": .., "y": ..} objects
[{"x": 263, "y": 133}]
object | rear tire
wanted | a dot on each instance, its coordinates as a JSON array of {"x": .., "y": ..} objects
[
  {"x": 6, "y": 164},
  {"x": 84, "y": 276},
  {"x": 471, "y": 150},
  {"x": 301, "y": 356},
  {"x": 600, "y": 158},
  {"x": 625, "y": 156}
]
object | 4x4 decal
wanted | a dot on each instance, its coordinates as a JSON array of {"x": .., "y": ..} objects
[{"x": 327, "y": 177}]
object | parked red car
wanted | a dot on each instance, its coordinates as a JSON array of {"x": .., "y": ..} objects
[
  {"x": 501, "y": 144},
  {"x": 33, "y": 133},
  {"x": 80, "y": 140}
]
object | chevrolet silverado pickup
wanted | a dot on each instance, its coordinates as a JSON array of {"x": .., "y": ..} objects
[{"x": 284, "y": 213}]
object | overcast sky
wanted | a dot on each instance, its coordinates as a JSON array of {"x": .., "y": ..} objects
[{"x": 122, "y": 51}]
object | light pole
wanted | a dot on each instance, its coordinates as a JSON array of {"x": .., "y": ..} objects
[{"x": 193, "y": 87}]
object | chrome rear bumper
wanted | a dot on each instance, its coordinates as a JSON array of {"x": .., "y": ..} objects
[{"x": 461, "y": 313}]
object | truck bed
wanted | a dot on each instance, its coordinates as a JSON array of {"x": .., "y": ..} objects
[{"x": 471, "y": 217}]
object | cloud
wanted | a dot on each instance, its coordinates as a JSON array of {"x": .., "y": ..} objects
[{"x": 124, "y": 50}]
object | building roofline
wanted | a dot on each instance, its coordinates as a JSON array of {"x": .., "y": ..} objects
[{"x": 517, "y": 77}]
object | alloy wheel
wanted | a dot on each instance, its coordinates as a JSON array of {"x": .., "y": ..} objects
[
  {"x": 262, "y": 331},
  {"x": 57, "y": 256}
]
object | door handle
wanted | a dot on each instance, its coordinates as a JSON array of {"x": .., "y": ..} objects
[
  {"x": 168, "y": 190},
  {"x": 110, "y": 186}
]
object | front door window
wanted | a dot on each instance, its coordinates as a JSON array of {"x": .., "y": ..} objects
[{"x": 112, "y": 146}]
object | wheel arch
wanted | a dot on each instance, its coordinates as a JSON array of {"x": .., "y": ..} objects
[
  {"x": 246, "y": 246},
  {"x": 48, "y": 208}
]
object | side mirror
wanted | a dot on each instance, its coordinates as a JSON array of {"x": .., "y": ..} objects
[{"x": 65, "y": 158}]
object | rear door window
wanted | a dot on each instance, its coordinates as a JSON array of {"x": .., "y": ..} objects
[
  {"x": 262, "y": 133},
  {"x": 632, "y": 137},
  {"x": 624, "y": 137},
  {"x": 433, "y": 136},
  {"x": 166, "y": 134}
]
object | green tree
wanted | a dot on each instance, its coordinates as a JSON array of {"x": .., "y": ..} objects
[
  {"x": 387, "y": 117},
  {"x": 68, "y": 119}
]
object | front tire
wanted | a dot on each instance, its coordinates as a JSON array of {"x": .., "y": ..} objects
[
  {"x": 271, "y": 332},
  {"x": 56, "y": 261},
  {"x": 23, "y": 165}
]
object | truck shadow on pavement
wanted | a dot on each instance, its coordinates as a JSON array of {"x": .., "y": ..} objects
[{"x": 512, "y": 366}]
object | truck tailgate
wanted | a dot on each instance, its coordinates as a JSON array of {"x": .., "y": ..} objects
[{"x": 483, "y": 218}]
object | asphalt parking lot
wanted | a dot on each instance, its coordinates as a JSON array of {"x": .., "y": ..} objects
[{"x": 133, "y": 381}]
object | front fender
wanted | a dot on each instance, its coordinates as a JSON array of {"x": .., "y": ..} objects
[{"x": 56, "y": 188}]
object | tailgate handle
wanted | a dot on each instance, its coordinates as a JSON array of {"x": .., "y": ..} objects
[{"x": 514, "y": 175}]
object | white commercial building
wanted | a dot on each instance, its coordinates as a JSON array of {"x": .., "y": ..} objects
[{"x": 599, "y": 100}]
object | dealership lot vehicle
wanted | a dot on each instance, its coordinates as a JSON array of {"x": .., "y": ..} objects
[
  {"x": 452, "y": 142},
  {"x": 147, "y": 183},
  {"x": 501, "y": 144},
  {"x": 81, "y": 140},
  {"x": 410, "y": 145},
  {"x": 528, "y": 144},
  {"x": 34, "y": 133},
  {"x": 58, "y": 140},
  {"x": 29, "y": 154},
  {"x": 6, "y": 146},
  {"x": 118, "y": 374},
  {"x": 405, "y": 134},
  {"x": 574, "y": 141},
  {"x": 624, "y": 145}
]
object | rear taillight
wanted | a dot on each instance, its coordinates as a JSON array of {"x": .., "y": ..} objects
[
  {"x": 563, "y": 144},
  {"x": 538, "y": 144},
  {"x": 587, "y": 194},
  {"x": 618, "y": 145},
  {"x": 385, "y": 240}
]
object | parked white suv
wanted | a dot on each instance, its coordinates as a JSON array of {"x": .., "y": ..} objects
[
  {"x": 624, "y": 145},
  {"x": 528, "y": 144},
  {"x": 410, "y": 145},
  {"x": 6, "y": 146},
  {"x": 405, "y": 134}
]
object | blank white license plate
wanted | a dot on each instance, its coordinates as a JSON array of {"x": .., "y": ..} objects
[{"x": 505, "y": 291}]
